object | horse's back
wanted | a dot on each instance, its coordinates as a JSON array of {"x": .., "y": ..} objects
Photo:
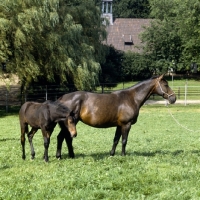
[
  {"x": 97, "y": 110},
  {"x": 30, "y": 112}
]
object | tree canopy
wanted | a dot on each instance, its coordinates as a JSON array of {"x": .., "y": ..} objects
[
  {"x": 173, "y": 40},
  {"x": 52, "y": 40},
  {"x": 131, "y": 8}
]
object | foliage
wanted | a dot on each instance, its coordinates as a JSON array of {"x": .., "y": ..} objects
[
  {"x": 52, "y": 40},
  {"x": 135, "y": 65},
  {"x": 172, "y": 40},
  {"x": 188, "y": 17},
  {"x": 111, "y": 68},
  {"x": 131, "y": 8},
  {"x": 162, "y": 161}
]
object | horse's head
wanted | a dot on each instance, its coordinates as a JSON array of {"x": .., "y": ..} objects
[
  {"x": 71, "y": 125},
  {"x": 162, "y": 88}
]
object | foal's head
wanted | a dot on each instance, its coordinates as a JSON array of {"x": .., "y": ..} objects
[
  {"x": 162, "y": 88},
  {"x": 67, "y": 117},
  {"x": 71, "y": 126}
]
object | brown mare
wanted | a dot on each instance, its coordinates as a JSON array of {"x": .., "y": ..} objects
[
  {"x": 43, "y": 116},
  {"x": 119, "y": 109}
]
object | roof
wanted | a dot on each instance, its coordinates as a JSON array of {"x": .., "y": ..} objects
[{"x": 124, "y": 33}]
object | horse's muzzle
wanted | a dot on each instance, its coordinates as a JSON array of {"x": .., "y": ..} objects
[
  {"x": 73, "y": 135},
  {"x": 172, "y": 99}
]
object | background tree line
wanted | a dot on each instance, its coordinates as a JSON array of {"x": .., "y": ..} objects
[
  {"x": 171, "y": 42},
  {"x": 60, "y": 41}
]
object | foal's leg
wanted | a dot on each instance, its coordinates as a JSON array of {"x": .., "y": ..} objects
[
  {"x": 46, "y": 136},
  {"x": 125, "y": 131},
  {"x": 30, "y": 138},
  {"x": 116, "y": 140}
]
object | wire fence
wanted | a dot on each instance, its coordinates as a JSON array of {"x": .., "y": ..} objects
[{"x": 13, "y": 96}]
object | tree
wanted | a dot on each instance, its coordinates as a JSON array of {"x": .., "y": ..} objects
[
  {"x": 173, "y": 40},
  {"x": 111, "y": 68},
  {"x": 55, "y": 39},
  {"x": 135, "y": 65},
  {"x": 131, "y": 8},
  {"x": 188, "y": 18}
]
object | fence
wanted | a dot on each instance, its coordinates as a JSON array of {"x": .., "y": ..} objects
[{"x": 13, "y": 96}]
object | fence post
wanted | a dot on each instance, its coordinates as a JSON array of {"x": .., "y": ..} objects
[
  {"x": 186, "y": 92},
  {"x": 46, "y": 93},
  {"x": 179, "y": 91},
  {"x": 25, "y": 97},
  {"x": 6, "y": 100}
]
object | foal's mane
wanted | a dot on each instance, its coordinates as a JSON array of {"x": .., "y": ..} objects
[{"x": 56, "y": 104}]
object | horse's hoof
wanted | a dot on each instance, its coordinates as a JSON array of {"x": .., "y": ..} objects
[
  {"x": 72, "y": 156},
  {"x": 112, "y": 153},
  {"x": 46, "y": 160},
  {"x": 23, "y": 157},
  {"x": 58, "y": 157}
]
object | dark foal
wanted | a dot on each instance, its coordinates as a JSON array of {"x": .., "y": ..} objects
[
  {"x": 119, "y": 109},
  {"x": 43, "y": 116}
]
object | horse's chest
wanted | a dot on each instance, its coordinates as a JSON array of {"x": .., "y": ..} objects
[{"x": 128, "y": 115}]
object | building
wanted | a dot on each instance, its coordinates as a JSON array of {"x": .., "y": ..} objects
[{"x": 123, "y": 33}]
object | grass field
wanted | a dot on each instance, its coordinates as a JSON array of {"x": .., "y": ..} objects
[{"x": 162, "y": 160}]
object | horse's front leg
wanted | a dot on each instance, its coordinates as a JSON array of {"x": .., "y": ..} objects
[
  {"x": 64, "y": 134},
  {"x": 46, "y": 136},
  {"x": 68, "y": 140},
  {"x": 60, "y": 139},
  {"x": 125, "y": 131},
  {"x": 30, "y": 138},
  {"x": 116, "y": 140}
]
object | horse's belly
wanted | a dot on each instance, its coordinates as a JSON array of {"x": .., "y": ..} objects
[
  {"x": 99, "y": 121},
  {"x": 99, "y": 124}
]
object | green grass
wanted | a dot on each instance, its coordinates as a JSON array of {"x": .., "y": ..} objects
[{"x": 162, "y": 160}]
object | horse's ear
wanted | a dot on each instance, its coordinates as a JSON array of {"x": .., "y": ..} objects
[{"x": 161, "y": 77}]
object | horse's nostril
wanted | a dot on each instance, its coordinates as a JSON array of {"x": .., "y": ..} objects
[{"x": 73, "y": 135}]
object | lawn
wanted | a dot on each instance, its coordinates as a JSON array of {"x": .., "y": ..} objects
[{"x": 162, "y": 160}]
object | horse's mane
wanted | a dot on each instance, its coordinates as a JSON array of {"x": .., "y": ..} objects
[{"x": 141, "y": 82}]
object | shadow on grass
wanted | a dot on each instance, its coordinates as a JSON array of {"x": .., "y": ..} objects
[
  {"x": 8, "y": 139},
  {"x": 103, "y": 155},
  {"x": 160, "y": 152},
  {"x": 154, "y": 153}
]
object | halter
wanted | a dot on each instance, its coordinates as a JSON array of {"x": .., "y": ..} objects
[{"x": 168, "y": 95}]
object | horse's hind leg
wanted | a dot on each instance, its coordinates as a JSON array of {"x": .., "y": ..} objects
[
  {"x": 116, "y": 140},
  {"x": 30, "y": 138},
  {"x": 23, "y": 130}
]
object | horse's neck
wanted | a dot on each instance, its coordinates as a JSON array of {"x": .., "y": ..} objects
[
  {"x": 56, "y": 114},
  {"x": 142, "y": 91}
]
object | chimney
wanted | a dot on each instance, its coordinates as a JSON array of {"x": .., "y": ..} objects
[{"x": 107, "y": 11}]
